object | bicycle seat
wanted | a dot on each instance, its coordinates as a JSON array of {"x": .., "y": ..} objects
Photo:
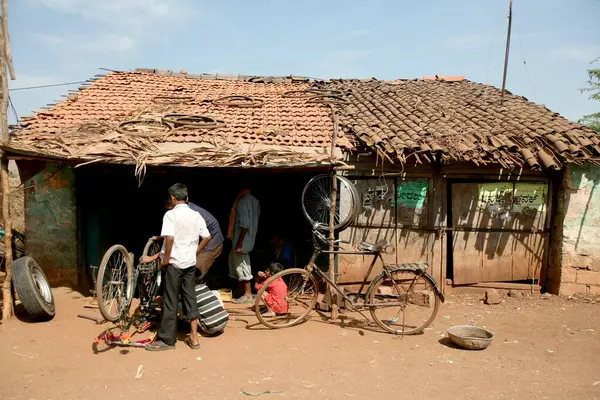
[{"x": 375, "y": 248}]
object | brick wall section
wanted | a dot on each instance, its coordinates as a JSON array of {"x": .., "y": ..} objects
[
  {"x": 575, "y": 251},
  {"x": 51, "y": 221}
]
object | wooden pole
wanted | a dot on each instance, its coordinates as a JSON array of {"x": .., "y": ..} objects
[
  {"x": 7, "y": 51},
  {"x": 507, "y": 52},
  {"x": 7, "y": 303},
  {"x": 332, "y": 207},
  {"x": 3, "y": 88},
  {"x": 5, "y": 61}
]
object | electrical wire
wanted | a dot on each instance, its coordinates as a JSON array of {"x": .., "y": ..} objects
[
  {"x": 14, "y": 110},
  {"x": 46, "y": 86},
  {"x": 525, "y": 67}
]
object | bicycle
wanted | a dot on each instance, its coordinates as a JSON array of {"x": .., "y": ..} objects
[
  {"x": 387, "y": 290},
  {"x": 396, "y": 286},
  {"x": 116, "y": 283}
]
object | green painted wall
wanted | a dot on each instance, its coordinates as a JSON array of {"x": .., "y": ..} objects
[{"x": 51, "y": 223}]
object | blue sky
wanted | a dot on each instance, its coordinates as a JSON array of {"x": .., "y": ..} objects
[{"x": 56, "y": 41}]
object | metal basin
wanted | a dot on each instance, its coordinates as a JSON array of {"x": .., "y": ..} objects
[{"x": 470, "y": 337}]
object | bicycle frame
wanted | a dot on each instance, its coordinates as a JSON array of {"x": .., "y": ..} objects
[{"x": 312, "y": 267}]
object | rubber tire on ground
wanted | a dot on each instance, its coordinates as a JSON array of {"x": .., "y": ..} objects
[
  {"x": 33, "y": 302},
  {"x": 301, "y": 318},
  {"x": 372, "y": 290}
]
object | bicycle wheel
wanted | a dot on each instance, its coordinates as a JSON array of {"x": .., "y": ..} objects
[
  {"x": 150, "y": 276},
  {"x": 302, "y": 292},
  {"x": 114, "y": 284},
  {"x": 404, "y": 302},
  {"x": 316, "y": 202}
]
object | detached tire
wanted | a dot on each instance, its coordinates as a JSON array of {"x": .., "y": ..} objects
[{"x": 33, "y": 289}]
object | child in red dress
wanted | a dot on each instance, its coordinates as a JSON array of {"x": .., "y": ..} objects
[{"x": 276, "y": 293}]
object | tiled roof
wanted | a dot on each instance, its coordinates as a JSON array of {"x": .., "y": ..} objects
[
  {"x": 436, "y": 118},
  {"x": 121, "y": 96},
  {"x": 457, "y": 119}
]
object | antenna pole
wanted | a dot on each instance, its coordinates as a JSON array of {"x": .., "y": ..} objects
[{"x": 507, "y": 52}]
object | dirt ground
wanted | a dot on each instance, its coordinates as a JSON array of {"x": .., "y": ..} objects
[{"x": 543, "y": 349}]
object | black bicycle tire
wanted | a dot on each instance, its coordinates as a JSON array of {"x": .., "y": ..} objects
[
  {"x": 351, "y": 216},
  {"x": 146, "y": 251},
  {"x": 428, "y": 278},
  {"x": 182, "y": 120},
  {"x": 328, "y": 99},
  {"x": 253, "y": 103},
  {"x": 301, "y": 318},
  {"x": 99, "y": 280},
  {"x": 147, "y": 121}
]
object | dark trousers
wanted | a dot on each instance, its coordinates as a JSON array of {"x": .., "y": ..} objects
[{"x": 177, "y": 282}]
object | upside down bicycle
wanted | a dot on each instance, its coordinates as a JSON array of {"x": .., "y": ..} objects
[{"x": 116, "y": 284}]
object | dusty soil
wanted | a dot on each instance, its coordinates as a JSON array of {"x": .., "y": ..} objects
[{"x": 543, "y": 349}]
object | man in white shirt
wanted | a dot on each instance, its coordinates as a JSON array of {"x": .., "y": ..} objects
[{"x": 182, "y": 227}]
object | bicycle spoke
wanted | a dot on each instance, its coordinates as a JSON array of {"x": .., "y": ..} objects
[
  {"x": 302, "y": 292},
  {"x": 113, "y": 285},
  {"x": 316, "y": 201},
  {"x": 401, "y": 305}
]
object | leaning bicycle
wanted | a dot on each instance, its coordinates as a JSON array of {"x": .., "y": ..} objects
[{"x": 402, "y": 299}]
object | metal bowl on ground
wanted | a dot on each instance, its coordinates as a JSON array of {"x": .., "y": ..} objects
[{"x": 470, "y": 337}]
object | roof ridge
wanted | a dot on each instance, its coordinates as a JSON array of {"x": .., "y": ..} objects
[{"x": 228, "y": 77}]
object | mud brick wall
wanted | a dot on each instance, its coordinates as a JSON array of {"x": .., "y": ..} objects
[
  {"x": 51, "y": 220},
  {"x": 575, "y": 251}
]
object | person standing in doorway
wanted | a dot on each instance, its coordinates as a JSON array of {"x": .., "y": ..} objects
[
  {"x": 181, "y": 231},
  {"x": 243, "y": 225},
  {"x": 207, "y": 256}
]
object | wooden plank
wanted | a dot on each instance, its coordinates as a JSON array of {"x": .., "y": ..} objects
[
  {"x": 377, "y": 197},
  {"x": 352, "y": 268},
  {"x": 467, "y": 258},
  {"x": 467, "y": 254},
  {"x": 414, "y": 246},
  {"x": 497, "y": 260},
  {"x": 528, "y": 256},
  {"x": 507, "y": 286}
]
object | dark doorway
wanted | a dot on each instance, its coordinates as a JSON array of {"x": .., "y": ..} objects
[{"x": 114, "y": 210}]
